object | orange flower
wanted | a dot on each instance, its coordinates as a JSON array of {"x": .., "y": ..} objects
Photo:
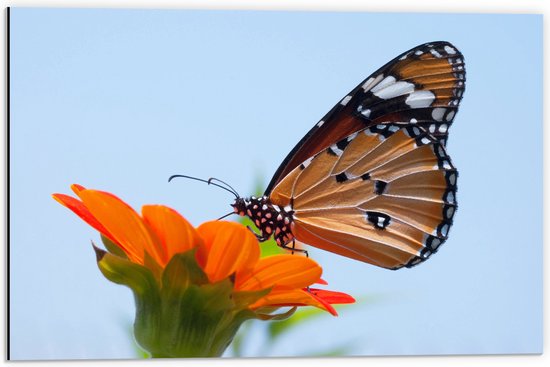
[{"x": 224, "y": 250}]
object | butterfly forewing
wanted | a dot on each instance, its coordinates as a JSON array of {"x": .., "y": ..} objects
[
  {"x": 421, "y": 87},
  {"x": 384, "y": 195}
]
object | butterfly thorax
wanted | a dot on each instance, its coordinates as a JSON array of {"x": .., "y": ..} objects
[{"x": 271, "y": 219}]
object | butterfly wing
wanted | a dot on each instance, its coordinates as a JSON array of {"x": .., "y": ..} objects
[
  {"x": 422, "y": 86},
  {"x": 384, "y": 195}
]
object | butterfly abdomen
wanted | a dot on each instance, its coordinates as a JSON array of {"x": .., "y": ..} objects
[{"x": 271, "y": 219}]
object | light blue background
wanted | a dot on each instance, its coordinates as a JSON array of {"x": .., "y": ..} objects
[{"x": 119, "y": 100}]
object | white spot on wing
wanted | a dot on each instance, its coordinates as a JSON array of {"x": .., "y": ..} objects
[
  {"x": 336, "y": 151},
  {"x": 345, "y": 100},
  {"x": 307, "y": 162},
  {"x": 320, "y": 123},
  {"x": 450, "y": 116},
  {"x": 422, "y": 98},
  {"x": 435, "y": 53},
  {"x": 452, "y": 179},
  {"x": 425, "y": 140},
  {"x": 450, "y": 197},
  {"x": 352, "y": 136},
  {"x": 445, "y": 230},
  {"x": 394, "y": 90},
  {"x": 371, "y": 82},
  {"x": 450, "y": 50},
  {"x": 389, "y": 80},
  {"x": 365, "y": 113},
  {"x": 437, "y": 114}
]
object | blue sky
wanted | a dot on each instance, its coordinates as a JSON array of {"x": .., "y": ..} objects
[{"x": 119, "y": 100}]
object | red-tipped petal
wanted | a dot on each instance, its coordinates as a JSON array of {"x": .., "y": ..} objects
[
  {"x": 321, "y": 281},
  {"x": 80, "y": 209},
  {"x": 292, "y": 297},
  {"x": 77, "y": 188},
  {"x": 332, "y": 297}
]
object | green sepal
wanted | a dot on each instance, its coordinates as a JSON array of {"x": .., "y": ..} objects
[
  {"x": 123, "y": 271},
  {"x": 112, "y": 247},
  {"x": 278, "y": 316},
  {"x": 178, "y": 312},
  {"x": 195, "y": 321},
  {"x": 244, "y": 298},
  {"x": 150, "y": 263},
  {"x": 140, "y": 280},
  {"x": 183, "y": 270}
]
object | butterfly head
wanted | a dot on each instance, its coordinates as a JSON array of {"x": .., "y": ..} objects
[{"x": 240, "y": 206}]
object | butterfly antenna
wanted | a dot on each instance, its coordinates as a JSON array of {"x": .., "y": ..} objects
[
  {"x": 226, "y": 184},
  {"x": 209, "y": 181}
]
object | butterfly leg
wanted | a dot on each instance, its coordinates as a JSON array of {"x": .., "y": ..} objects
[
  {"x": 294, "y": 249},
  {"x": 260, "y": 237}
]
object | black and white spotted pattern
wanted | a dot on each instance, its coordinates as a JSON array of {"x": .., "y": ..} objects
[
  {"x": 270, "y": 219},
  {"x": 422, "y": 86},
  {"x": 392, "y": 90}
]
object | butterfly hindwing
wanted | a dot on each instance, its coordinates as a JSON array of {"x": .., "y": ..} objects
[
  {"x": 421, "y": 87},
  {"x": 384, "y": 195}
]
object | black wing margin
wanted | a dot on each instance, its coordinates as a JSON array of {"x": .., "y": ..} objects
[{"x": 422, "y": 86}]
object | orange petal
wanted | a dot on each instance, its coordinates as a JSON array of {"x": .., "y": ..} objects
[
  {"x": 80, "y": 209},
  {"x": 174, "y": 232},
  {"x": 229, "y": 247},
  {"x": 332, "y": 297},
  {"x": 294, "y": 297},
  {"x": 321, "y": 281},
  {"x": 77, "y": 188},
  {"x": 125, "y": 225},
  {"x": 281, "y": 270}
]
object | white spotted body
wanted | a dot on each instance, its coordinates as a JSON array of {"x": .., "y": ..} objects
[{"x": 270, "y": 219}]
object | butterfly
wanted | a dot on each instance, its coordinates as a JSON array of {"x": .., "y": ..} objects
[{"x": 372, "y": 180}]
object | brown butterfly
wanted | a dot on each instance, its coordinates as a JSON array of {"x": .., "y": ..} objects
[{"x": 372, "y": 180}]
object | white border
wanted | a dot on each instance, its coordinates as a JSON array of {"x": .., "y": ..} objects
[{"x": 464, "y": 6}]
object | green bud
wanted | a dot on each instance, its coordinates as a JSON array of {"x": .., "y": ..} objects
[{"x": 179, "y": 313}]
